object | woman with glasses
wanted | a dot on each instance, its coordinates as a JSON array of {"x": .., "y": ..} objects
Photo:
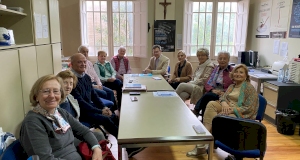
[
  {"x": 183, "y": 70},
  {"x": 47, "y": 130},
  {"x": 194, "y": 89}
]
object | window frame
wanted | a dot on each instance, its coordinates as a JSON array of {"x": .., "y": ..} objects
[{"x": 240, "y": 33}]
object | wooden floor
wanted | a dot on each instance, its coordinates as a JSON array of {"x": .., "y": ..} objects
[{"x": 279, "y": 147}]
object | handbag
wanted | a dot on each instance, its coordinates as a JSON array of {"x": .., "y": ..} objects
[{"x": 87, "y": 153}]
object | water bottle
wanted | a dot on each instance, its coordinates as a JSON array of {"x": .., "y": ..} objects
[
  {"x": 286, "y": 76},
  {"x": 280, "y": 75}
]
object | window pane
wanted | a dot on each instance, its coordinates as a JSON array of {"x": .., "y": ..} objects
[
  {"x": 193, "y": 50},
  {"x": 122, "y": 6},
  {"x": 104, "y": 29},
  {"x": 103, "y": 48},
  {"x": 233, "y": 6},
  {"x": 195, "y": 6},
  {"x": 226, "y": 29},
  {"x": 90, "y": 28},
  {"x": 207, "y": 47},
  {"x": 195, "y": 29},
  {"x": 201, "y": 29},
  {"x": 116, "y": 29},
  {"x": 219, "y": 29},
  {"x": 103, "y": 6},
  {"x": 116, "y": 50},
  {"x": 129, "y": 7},
  {"x": 209, "y": 7},
  {"x": 130, "y": 29},
  {"x": 220, "y": 6},
  {"x": 96, "y": 6},
  {"x": 227, "y": 6},
  {"x": 89, "y": 5},
  {"x": 97, "y": 26},
  {"x": 115, "y": 6},
  {"x": 208, "y": 28},
  {"x": 123, "y": 29},
  {"x": 129, "y": 51},
  {"x": 232, "y": 27},
  {"x": 202, "y": 6},
  {"x": 224, "y": 48},
  {"x": 92, "y": 50},
  {"x": 217, "y": 50}
]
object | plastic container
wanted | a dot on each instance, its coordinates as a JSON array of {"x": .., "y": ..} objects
[
  {"x": 286, "y": 121},
  {"x": 280, "y": 75}
]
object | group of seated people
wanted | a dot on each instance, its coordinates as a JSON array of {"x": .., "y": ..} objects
[{"x": 63, "y": 105}]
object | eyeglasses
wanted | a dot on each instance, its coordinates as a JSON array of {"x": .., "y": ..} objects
[{"x": 47, "y": 92}]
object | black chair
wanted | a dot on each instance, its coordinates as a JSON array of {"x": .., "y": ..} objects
[{"x": 242, "y": 138}]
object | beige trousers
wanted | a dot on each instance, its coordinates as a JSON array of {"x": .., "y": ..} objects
[
  {"x": 213, "y": 108},
  {"x": 184, "y": 90}
]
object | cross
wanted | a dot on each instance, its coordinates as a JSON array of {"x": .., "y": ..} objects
[{"x": 165, "y": 4}]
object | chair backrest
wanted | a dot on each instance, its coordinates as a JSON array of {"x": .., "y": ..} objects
[
  {"x": 261, "y": 108},
  {"x": 239, "y": 133},
  {"x": 169, "y": 69},
  {"x": 14, "y": 152}
]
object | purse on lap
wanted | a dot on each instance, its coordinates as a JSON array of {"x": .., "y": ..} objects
[{"x": 87, "y": 152}]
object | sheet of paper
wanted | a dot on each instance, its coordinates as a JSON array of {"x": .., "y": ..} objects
[
  {"x": 45, "y": 26},
  {"x": 38, "y": 26},
  {"x": 276, "y": 46},
  {"x": 157, "y": 78},
  {"x": 164, "y": 94},
  {"x": 284, "y": 49}
]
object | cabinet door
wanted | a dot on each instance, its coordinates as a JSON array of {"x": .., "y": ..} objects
[
  {"x": 56, "y": 56},
  {"x": 41, "y": 21},
  {"x": 29, "y": 73},
  {"x": 54, "y": 21},
  {"x": 11, "y": 101},
  {"x": 44, "y": 60}
]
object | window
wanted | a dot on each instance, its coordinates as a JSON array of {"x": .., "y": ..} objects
[
  {"x": 216, "y": 25},
  {"x": 108, "y": 24}
]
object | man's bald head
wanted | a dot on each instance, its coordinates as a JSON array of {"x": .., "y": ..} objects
[{"x": 78, "y": 62}]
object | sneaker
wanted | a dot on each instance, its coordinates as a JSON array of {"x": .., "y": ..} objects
[
  {"x": 133, "y": 151},
  {"x": 197, "y": 151}
]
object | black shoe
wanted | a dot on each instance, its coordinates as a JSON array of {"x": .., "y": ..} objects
[
  {"x": 196, "y": 112},
  {"x": 133, "y": 151}
]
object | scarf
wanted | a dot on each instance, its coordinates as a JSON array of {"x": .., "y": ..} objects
[{"x": 59, "y": 124}]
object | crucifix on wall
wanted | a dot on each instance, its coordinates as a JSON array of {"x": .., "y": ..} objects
[{"x": 165, "y": 4}]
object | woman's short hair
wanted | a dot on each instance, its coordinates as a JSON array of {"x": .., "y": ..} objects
[
  {"x": 68, "y": 74},
  {"x": 101, "y": 52},
  {"x": 202, "y": 50},
  {"x": 224, "y": 52},
  {"x": 37, "y": 86},
  {"x": 238, "y": 67},
  {"x": 156, "y": 46},
  {"x": 181, "y": 51}
]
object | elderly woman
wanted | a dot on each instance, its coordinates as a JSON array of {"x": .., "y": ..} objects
[
  {"x": 48, "y": 131},
  {"x": 194, "y": 89},
  {"x": 107, "y": 75},
  {"x": 240, "y": 100},
  {"x": 183, "y": 70},
  {"x": 217, "y": 83}
]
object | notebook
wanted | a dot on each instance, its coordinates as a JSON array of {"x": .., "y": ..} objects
[{"x": 133, "y": 85}]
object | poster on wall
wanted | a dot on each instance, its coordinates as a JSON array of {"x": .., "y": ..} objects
[
  {"x": 264, "y": 19},
  {"x": 279, "y": 19},
  {"x": 164, "y": 34},
  {"x": 295, "y": 20}
]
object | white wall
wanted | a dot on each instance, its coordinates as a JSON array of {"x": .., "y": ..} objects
[{"x": 264, "y": 46}]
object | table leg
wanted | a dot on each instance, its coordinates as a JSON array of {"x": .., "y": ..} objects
[
  {"x": 211, "y": 150},
  {"x": 120, "y": 152},
  {"x": 258, "y": 86}
]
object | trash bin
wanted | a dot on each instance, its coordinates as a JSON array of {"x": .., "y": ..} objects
[{"x": 286, "y": 121}]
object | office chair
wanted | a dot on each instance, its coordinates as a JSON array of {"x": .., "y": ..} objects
[
  {"x": 14, "y": 152},
  {"x": 167, "y": 75},
  {"x": 239, "y": 137},
  {"x": 261, "y": 108}
]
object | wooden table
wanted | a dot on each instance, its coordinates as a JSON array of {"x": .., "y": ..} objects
[
  {"x": 152, "y": 84},
  {"x": 158, "y": 121}
]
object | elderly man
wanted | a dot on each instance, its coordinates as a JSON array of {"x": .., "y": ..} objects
[
  {"x": 158, "y": 63},
  {"x": 106, "y": 94},
  {"x": 121, "y": 63},
  {"x": 92, "y": 110}
]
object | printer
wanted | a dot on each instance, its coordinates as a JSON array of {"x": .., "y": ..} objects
[{"x": 277, "y": 66}]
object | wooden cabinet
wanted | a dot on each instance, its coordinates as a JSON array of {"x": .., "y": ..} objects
[
  {"x": 44, "y": 60},
  {"x": 11, "y": 104},
  {"x": 29, "y": 73},
  {"x": 56, "y": 57},
  {"x": 279, "y": 96},
  {"x": 54, "y": 21}
]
